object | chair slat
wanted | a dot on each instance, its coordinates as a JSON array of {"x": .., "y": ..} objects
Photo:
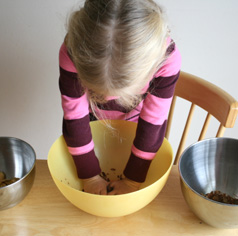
[
  {"x": 205, "y": 127},
  {"x": 220, "y": 131},
  {"x": 185, "y": 133},
  {"x": 170, "y": 117}
]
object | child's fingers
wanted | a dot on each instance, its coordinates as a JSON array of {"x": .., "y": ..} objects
[
  {"x": 112, "y": 184},
  {"x": 103, "y": 191},
  {"x": 113, "y": 192},
  {"x": 109, "y": 188},
  {"x": 112, "y": 188}
]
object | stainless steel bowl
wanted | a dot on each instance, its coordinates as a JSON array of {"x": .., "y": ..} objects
[
  {"x": 209, "y": 165},
  {"x": 17, "y": 159}
]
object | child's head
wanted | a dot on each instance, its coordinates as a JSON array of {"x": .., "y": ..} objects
[{"x": 116, "y": 46}]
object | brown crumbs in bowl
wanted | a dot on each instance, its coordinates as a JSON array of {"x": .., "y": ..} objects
[{"x": 221, "y": 197}]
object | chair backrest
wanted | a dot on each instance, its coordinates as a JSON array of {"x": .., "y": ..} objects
[{"x": 215, "y": 101}]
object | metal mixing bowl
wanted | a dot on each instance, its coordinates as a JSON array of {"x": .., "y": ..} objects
[
  {"x": 17, "y": 159},
  {"x": 209, "y": 165}
]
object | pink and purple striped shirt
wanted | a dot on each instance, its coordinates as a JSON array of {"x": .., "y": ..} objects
[{"x": 151, "y": 115}]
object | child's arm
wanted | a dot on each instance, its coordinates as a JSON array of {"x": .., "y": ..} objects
[
  {"x": 153, "y": 119},
  {"x": 76, "y": 129}
]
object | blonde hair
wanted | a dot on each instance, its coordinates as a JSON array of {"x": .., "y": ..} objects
[{"x": 116, "y": 46}]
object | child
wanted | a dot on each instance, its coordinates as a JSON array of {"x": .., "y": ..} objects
[{"x": 117, "y": 62}]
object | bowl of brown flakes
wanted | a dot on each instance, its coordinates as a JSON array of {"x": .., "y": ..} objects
[
  {"x": 209, "y": 182},
  {"x": 17, "y": 171}
]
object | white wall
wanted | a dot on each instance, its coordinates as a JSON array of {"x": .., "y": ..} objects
[{"x": 32, "y": 31}]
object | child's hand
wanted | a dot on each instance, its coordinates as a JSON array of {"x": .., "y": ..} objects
[
  {"x": 95, "y": 185},
  {"x": 123, "y": 186}
]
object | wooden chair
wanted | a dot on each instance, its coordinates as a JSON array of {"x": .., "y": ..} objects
[{"x": 215, "y": 101}]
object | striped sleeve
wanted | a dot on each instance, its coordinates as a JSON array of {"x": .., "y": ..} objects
[
  {"x": 76, "y": 129},
  {"x": 153, "y": 118}
]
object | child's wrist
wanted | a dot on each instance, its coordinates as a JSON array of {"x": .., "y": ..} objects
[
  {"x": 132, "y": 182},
  {"x": 91, "y": 179}
]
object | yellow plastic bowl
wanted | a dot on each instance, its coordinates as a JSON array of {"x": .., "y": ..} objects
[{"x": 113, "y": 150}]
